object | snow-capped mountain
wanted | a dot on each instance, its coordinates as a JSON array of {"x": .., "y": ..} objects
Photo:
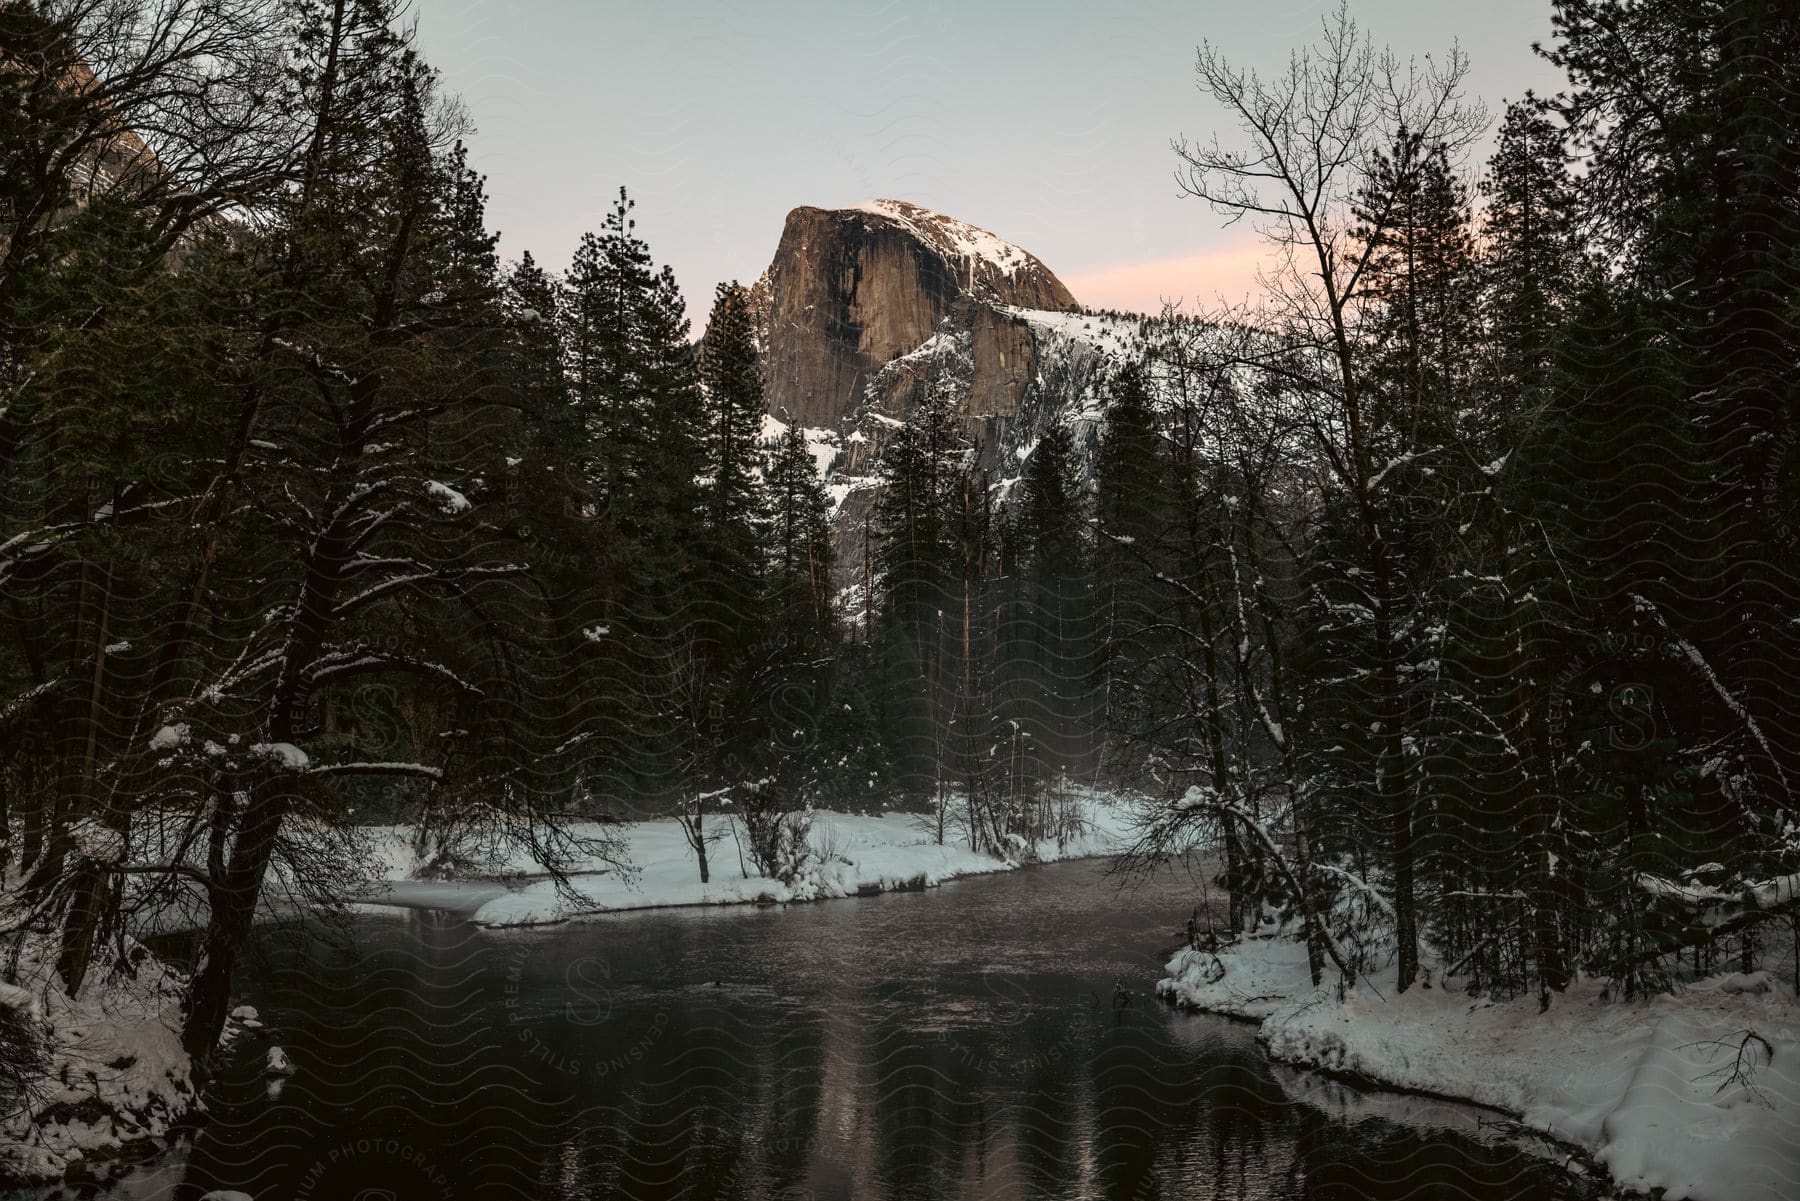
[{"x": 865, "y": 309}]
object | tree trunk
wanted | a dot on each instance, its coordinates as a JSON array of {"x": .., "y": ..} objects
[
  {"x": 81, "y": 925},
  {"x": 1406, "y": 918},
  {"x": 697, "y": 836},
  {"x": 31, "y": 841},
  {"x": 1283, "y": 737},
  {"x": 1395, "y": 793},
  {"x": 234, "y": 901},
  {"x": 1215, "y": 750},
  {"x": 88, "y": 890}
]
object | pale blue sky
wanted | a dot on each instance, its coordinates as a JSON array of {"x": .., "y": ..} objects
[{"x": 1047, "y": 122}]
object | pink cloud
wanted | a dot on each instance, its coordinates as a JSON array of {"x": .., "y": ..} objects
[{"x": 1197, "y": 280}]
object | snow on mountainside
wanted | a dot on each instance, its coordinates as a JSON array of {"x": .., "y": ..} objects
[
  {"x": 865, "y": 310},
  {"x": 958, "y": 238}
]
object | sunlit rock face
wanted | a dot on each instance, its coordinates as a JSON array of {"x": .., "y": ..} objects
[
  {"x": 851, "y": 290},
  {"x": 865, "y": 310}
]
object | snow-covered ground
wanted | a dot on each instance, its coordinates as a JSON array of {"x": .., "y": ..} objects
[
  {"x": 112, "y": 1071},
  {"x": 852, "y": 854},
  {"x": 1644, "y": 1088}
]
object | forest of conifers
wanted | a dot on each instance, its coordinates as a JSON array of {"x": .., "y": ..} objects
[{"x": 1450, "y": 589}]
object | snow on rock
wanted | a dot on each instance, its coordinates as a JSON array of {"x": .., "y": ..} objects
[
  {"x": 958, "y": 239},
  {"x": 822, "y": 444},
  {"x": 1123, "y": 335},
  {"x": 1644, "y": 1087},
  {"x": 285, "y": 753},
  {"x": 244, "y": 1013},
  {"x": 277, "y": 1063},
  {"x": 170, "y": 737},
  {"x": 448, "y": 499},
  {"x": 1251, "y": 979}
]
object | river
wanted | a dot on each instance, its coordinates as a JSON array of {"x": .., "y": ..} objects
[{"x": 994, "y": 1038}]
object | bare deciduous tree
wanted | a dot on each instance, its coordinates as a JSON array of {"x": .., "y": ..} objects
[{"x": 1310, "y": 137}]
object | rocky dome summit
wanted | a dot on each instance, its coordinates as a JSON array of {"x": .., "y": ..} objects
[
  {"x": 850, "y": 290},
  {"x": 953, "y": 238},
  {"x": 865, "y": 310}
]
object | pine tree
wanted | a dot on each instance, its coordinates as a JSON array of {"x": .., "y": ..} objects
[
  {"x": 1130, "y": 517},
  {"x": 919, "y": 470},
  {"x": 1414, "y": 216},
  {"x": 1418, "y": 285},
  {"x": 732, "y": 567},
  {"x": 1532, "y": 254},
  {"x": 800, "y": 553},
  {"x": 635, "y": 388},
  {"x": 552, "y": 446},
  {"x": 1052, "y": 559},
  {"x": 917, "y": 568},
  {"x": 632, "y": 378},
  {"x": 367, "y": 458},
  {"x": 1638, "y": 566},
  {"x": 1687, "y": 111}
]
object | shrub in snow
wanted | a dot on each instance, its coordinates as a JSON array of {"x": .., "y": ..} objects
[
  {"x": 24, "y": 1045},
  {"x": 780, "y": 842}
]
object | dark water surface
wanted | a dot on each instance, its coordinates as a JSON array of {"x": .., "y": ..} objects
[{"x": 962, "y": 1042}]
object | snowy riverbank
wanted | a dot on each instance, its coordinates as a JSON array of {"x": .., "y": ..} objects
[
  {"x": 1645, "y": 1088},
  {"x": 852, "y": 855},
  {"x": 99, "y": 1074}
]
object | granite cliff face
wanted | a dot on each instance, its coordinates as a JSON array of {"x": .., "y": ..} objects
[
  {"x": 851, "y": 290},
  {"x": 863, "y": 310}
]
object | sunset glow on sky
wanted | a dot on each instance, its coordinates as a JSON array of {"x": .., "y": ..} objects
[{"x": 1047, "y": 122}]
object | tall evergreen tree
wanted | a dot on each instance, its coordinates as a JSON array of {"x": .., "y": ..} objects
[
  {"x": 1532, "y": 248},
  {"x": 1686, "y": 110},
  {"x": 634, "y": 385},
  {"x": 916, "y": 561},
  {"x": 800, "y": 553},
  {"x": 1131, "y": 515},
  {"x": 732, "y": 567},
  {"x": 1053, "y": 654},
  {"x": 375, "y": 423}
]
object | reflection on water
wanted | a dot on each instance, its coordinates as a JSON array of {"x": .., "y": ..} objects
[{"x": 967, "y": 1042}]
